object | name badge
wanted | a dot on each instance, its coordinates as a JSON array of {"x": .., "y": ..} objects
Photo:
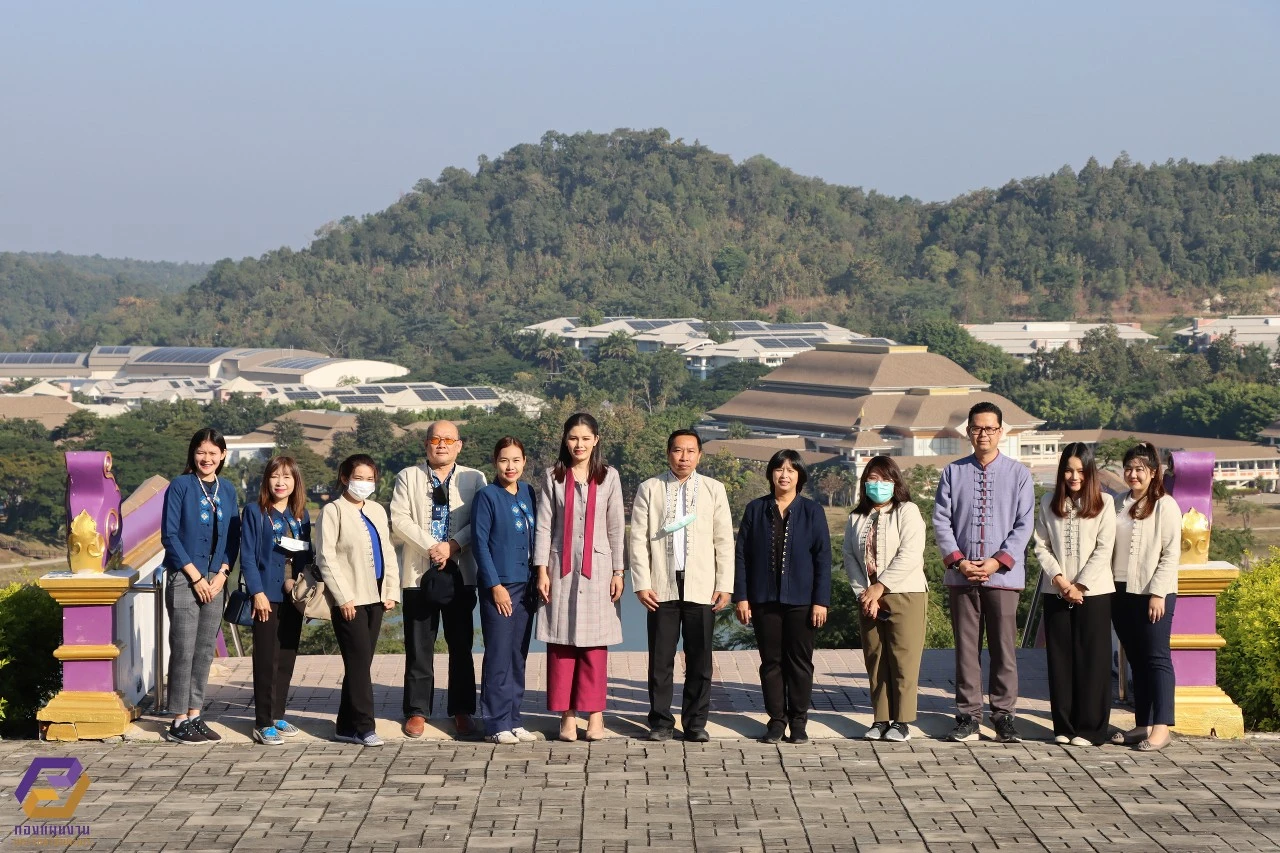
[{"x": 288, "y": 543}]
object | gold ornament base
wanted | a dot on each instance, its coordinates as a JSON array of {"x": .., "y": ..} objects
[
  {"x": 1207, "y": 712},
  {"x": 85, "y": 715}
]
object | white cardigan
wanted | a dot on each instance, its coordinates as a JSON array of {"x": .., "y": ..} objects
[
  {"x": 900, "y": 539},
  {"x": 1077, "y": 548},
  {"x": 344, "y": 553},
  {"x": 1154, "y": 550},
  {"x": 711, "y": 557}
]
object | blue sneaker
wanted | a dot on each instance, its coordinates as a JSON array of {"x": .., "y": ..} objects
[
  {"x": 268, "y": 736},
  {"x": 287, "y": 729}
]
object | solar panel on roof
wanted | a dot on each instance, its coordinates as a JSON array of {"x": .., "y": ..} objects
[
  {"x": 370, "y": 389},
  {"x": 429, "y": 395},
  {"x": 298, "y": 363},
  {"x": 456, "y": 394},
  {"x": 301, "y": 395},
  {"x": 483, "y": 393},
  {"x": 393, "y": 389},
  {"x": 183, "y": 355},
  {"x": 363, "y": 398}
]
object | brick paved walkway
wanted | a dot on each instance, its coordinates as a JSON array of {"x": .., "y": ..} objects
[{"x": 623, "y": 794}]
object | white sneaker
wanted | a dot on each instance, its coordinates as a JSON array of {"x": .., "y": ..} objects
[
  {"x": 506, "y": 737},
  {"x": 524, "y": 735},
  {"x": 1079, "y": 741},
  {"x": 898, "y": 732},
  {"x": 1061, "y": 740},
  {"x": 370, "y": 739}
]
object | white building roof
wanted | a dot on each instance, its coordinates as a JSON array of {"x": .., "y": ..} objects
[
  {"x": 1248, "y": 328},
  {"x": 1024, "y": 338}
]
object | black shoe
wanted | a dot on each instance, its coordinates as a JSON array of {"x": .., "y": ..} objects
[
  {"x": 1006, "y": 732},
  {"x": 966, "y": 729},
  {"x": 661, "y": 734},
  {"x": 798, "y": 734},
  {"x": 183, "y": 732},
  {"x": 697, "y": 736},
  {"x": 774, "y": 733},
  {"x": 199, "y": 725}
]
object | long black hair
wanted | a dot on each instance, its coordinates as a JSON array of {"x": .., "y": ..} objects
[
  {"x": 1090, "y": 491},
  {"x": 1146, "y": 453},
  {"x": 564, "y": 462}
]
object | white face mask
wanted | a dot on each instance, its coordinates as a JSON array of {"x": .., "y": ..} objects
[{"x": 361, "y": 489}]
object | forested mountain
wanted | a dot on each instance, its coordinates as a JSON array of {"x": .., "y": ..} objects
[
  {"x": 633, "y": 222},
  {"x": 46, "y": 295}
]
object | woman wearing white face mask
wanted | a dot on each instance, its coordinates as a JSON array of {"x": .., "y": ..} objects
[
  {"x": 359, "y": 567},
  {"x": 884, "y": 559}
]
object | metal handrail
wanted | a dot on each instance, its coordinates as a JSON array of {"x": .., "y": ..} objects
[{"x": 156, "y": 588}]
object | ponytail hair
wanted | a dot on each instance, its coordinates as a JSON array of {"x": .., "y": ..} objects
[{"x": 1146, "y": 453}]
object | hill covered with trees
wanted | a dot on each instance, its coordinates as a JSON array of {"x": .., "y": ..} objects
[{"x": 634, "y": 222}]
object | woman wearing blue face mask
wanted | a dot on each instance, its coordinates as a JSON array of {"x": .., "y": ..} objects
[{"x": 884, "y": 559}]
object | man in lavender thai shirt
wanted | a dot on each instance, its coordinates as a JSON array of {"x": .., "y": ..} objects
[{"x": 983, "y": 520}]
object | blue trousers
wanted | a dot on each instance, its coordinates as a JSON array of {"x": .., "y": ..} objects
[
  {"x": 1147, "y": 647},
  {"x": 506, "y": 646}
]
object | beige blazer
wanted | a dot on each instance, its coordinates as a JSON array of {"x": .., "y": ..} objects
[
  {"x": 900, "y": 539},
  {"x": 344, "y": 553},
  {"x": 1077, "y": 548},
  {"x": 709, "y": 568},
  {"x": 411, "y": 520},
  {"x": 1154, "y": 549}
]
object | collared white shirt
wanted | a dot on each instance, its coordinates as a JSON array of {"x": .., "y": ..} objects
[{"x": 678, "y": 538}]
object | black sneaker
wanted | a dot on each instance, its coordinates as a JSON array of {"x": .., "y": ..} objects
[
  {"x": 798, "y": 734},
  {"x": 774, "y": 733},
  {"x": 184, "y": 732},
  {"x": 198, "y": 724},
  {"x": 966, "y": 729},
  {"x": 1006, "y": 732},
  {"x": 661, "y": 734}
]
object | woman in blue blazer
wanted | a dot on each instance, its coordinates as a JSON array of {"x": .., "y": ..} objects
[
  {"x": 275, "y": 543},
  {"x": 200, "y": 536},
  {"x": 782, "y": 587},
  {"x": 502, "y": 527}
]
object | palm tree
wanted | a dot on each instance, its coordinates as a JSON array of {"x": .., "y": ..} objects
[
  {"x": 550, "y": 350},
  {"x": 618, "y": 345}
]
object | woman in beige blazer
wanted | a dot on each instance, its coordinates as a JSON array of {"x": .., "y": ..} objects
[
  {"x": 1145, "y": 570},
  {"x": 884, "y": 559},
  {"x": 579, "y": 559},
  {"x": 1074, "y": 538},
  {"x": 358, "y": 564}
]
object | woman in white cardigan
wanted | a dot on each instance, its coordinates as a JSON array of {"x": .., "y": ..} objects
[
  {"x": 884, "y": 559},
  {"x": 358, "y": 563},
  {"x": 1145, "y": 569},
  {"x": 1074, "y": 537}
]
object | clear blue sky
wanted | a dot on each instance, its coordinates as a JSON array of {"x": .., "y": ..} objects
[{"x": 163, "y": 132}]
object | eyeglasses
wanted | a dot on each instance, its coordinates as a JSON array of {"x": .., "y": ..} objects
[
  {"x": 984, "y": 430},
  {"x": 440, "y": 441}
]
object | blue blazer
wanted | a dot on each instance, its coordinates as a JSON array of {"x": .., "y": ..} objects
[
  {"x": 187, "y": 538},
  {"x": 261, "y": 560},
  {"x": 502, "y": 551},
  {"x": 806, "y": 564}
]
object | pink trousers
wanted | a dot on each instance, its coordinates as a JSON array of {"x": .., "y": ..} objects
[{"x": 577, "y": 678}]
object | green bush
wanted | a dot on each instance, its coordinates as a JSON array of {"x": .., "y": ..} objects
[
  {"x": 1249, "y": 666},
  {"x": 30, "y": 629}
]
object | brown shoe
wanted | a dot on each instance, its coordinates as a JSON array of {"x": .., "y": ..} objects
[
  {"x": 466, "y": 727},
  {"x": 414, "y": 726}
]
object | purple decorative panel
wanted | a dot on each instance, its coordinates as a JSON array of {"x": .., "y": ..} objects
[
  {"x": 87, "y": 625},
  {"x": 89, "y": 675},
  {"x": 1195, "y": 667},
  {"x": 1196, "y": 614},
  {"x": 1190, "y": 481},
  {"x": 93, "y": 511}
]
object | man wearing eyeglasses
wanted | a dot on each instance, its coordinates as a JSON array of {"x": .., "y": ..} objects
[
  {"x": 982, "y": 518},
  {"x": 431, "y": 526}
]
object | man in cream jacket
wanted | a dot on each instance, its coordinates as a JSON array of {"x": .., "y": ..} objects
[
  {"x": 681, "y": 558},
  {"x": 431, "y": 527}
]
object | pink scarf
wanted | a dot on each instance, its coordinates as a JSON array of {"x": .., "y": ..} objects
[{"x": 566, "y": 544}]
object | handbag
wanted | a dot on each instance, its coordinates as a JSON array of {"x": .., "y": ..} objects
[
  {"x": 309, "y": 594},
  {"x": 442, "y": 585},
  {"x": 239, "y": 609}
]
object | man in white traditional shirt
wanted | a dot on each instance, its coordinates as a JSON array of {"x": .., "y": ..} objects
[{"x": 682, "y": 561}]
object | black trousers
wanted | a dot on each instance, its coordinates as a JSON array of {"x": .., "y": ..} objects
[
  {"x": 357, "y": 640},
  {"x": 421, "y": 625},
  {"x": 667, "y": 624},
  {"x": 275, "y": 649},
  {"x": 1147, "y": 647},
  {"x": 784, "y": 636},
  {"x": 1078, "y": 647}
]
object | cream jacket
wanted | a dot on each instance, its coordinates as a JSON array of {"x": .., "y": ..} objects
[
  {"x": 900, "y": 539},
  {"x": 411, "y": 520},
  {"x": 1154, "y": 550},
  {"x": 344, "y": 553},
  {"x": 709, "y": 567},
  {"x": 1077, "y": 548}
]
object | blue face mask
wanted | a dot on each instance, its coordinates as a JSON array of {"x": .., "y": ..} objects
[{"x": 880, "y": 491}]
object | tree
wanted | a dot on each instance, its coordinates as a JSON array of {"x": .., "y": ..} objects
[
  {"x": 288, "y": 434},
  {"x": 618, "y": 345},
  {"x": 830, "y": 483},
  {"x": 1109, "y": 453}
]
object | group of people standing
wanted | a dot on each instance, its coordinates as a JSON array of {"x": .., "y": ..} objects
[{"x": 557, "y": 556}]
